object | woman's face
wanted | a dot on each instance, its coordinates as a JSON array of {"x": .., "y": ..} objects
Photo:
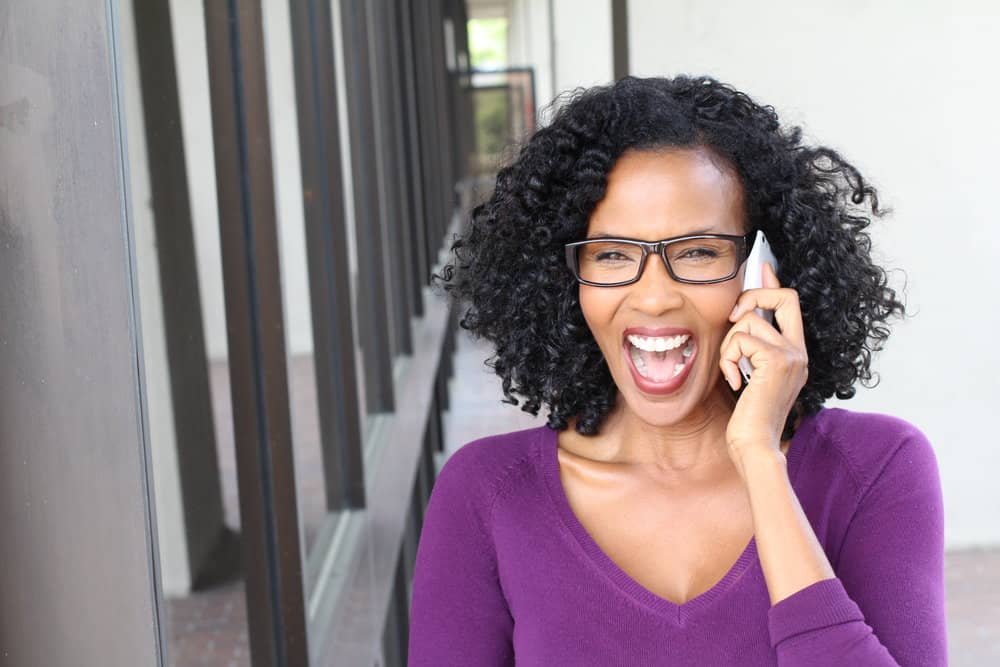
[{"x": 655, "y": 195}]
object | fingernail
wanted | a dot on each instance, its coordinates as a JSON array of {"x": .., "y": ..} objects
[{"x": 736, "y": 309}]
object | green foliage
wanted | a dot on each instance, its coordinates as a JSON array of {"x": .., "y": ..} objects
[
  {"x": 488, "y": 43},
  {"x": 492, "y": 107}
]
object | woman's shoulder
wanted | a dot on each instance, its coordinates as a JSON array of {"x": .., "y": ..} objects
[
  {"x": 866, "y": 443},
  {"x": 482, "y": 465}
]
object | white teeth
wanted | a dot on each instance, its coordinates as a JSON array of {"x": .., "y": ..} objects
[{"x": 657, "y": 344}]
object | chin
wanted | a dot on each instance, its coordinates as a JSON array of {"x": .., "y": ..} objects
[
  {"x": 665, "y": 410},
  {"x": 660, "y": 410}
]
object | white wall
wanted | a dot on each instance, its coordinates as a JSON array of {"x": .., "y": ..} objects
[
  {"x": 907, "y": 92},
  {"x": 568, "y": 42},
  {"x": 529, "y": 44},
  {"x": 583, "y": 43}
]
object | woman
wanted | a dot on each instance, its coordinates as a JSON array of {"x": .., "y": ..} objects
[{"x": 669, "y": 514}]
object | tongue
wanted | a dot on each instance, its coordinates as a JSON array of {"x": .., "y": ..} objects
[{"x": 660, "y": 365}]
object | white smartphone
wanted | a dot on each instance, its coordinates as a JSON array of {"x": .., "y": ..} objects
[{"x": 753, "y": 278}]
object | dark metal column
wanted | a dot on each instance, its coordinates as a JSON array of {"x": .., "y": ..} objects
[
  {"x": 201, "y": 492},
  {"x": 415, "y": 161},
  {"x": 443, "y": 118},
  {"x": 329, "y": 273},
  {"x": 428, "y": 112},
  {"x": 391, "y": 172},
  {"x": 413, "y": 280},
  {"x": 257, "y": 362},
  {"x": 619, "y": 37},
  {"x": 372, "y": 306}
]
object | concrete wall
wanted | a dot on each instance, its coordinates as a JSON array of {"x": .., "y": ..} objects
[
  {"x": 906, "y": 91},
  {"x": 583, "y": 43},
  {"x": 529, "y": 44},
  {"x": 568, "y": 42}
]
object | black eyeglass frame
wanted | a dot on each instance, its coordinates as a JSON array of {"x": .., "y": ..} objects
[{"x": 744, "y": 246}]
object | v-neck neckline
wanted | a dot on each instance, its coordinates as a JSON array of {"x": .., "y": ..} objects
[{"x": 549, "y": 461}]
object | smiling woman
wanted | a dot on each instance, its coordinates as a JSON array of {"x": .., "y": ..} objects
[{"x": 667, "y": 514}]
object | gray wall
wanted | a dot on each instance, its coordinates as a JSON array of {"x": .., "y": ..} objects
[{"x": 78, "y": 539}]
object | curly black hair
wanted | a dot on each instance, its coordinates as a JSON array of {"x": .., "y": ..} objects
[{"x": 509, "y": 267}]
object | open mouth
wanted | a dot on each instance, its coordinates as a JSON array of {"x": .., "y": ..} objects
[{"x": 660, "y": 363}]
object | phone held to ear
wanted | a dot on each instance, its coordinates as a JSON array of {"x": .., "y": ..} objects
[{"x": 752, "y": 279}]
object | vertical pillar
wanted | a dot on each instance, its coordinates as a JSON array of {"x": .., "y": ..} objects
[
  {"x": 80, "y": 579},
  {"x": 276, "y": 615}
]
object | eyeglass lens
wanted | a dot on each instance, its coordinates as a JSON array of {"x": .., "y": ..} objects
[{"x": 608, "y": 262}]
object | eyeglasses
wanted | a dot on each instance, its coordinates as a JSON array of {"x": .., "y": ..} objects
[{"x": 700, "y": 259}]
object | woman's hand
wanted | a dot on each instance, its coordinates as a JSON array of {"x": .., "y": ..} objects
[{"x": 780, "y": 367}]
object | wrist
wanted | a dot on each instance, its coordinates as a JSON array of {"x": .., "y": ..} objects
[{"x": 761, "y": 460}]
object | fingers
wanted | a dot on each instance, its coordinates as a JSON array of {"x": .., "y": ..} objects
[
  {"x": 784, "y": 364},
  {"x": 755, "y": 325},
  {"x": 729, "y": 363},
  {"x": 741, "y": 344},
  {"x": 784, "y": 301},
  {"x": 756, "y": 338}
]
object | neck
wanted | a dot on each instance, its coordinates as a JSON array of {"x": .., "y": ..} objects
[{"x": 689, "y": 451}]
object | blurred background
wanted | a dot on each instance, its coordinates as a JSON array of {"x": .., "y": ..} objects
[{"x": 228, "y": 387}]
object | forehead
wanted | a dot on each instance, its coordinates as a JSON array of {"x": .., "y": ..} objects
[{"x": 658, "y": 194}]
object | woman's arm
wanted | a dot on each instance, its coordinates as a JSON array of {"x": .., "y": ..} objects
[
  {"x": 890, "y": 569},
  {"x": 458, "y": 614},
  {"x": 885, "y": 606}
]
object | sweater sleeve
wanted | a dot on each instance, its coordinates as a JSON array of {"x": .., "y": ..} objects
[
  {"x": 886, "y": 604},
  {"x": 458, "y": 613}
]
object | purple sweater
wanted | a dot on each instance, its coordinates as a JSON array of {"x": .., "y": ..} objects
[{"x": 506, "y": 573}]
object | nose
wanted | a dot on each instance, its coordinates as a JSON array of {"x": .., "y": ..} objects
[{"x": 656, "y": 290}]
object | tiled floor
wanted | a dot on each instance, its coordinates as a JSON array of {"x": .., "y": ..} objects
[
  {"x": 972, "y": 584},
  {"x": 209, "y": 628}
]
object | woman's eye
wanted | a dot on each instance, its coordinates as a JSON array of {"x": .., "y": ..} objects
[
  {"x": 610, "y": 256},
  {"x": 696, "y": 253}
]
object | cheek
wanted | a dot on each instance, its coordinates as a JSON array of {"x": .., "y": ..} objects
[
  {"x": 717, "y": 313},
  {"x": 598, "y": 308}
]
